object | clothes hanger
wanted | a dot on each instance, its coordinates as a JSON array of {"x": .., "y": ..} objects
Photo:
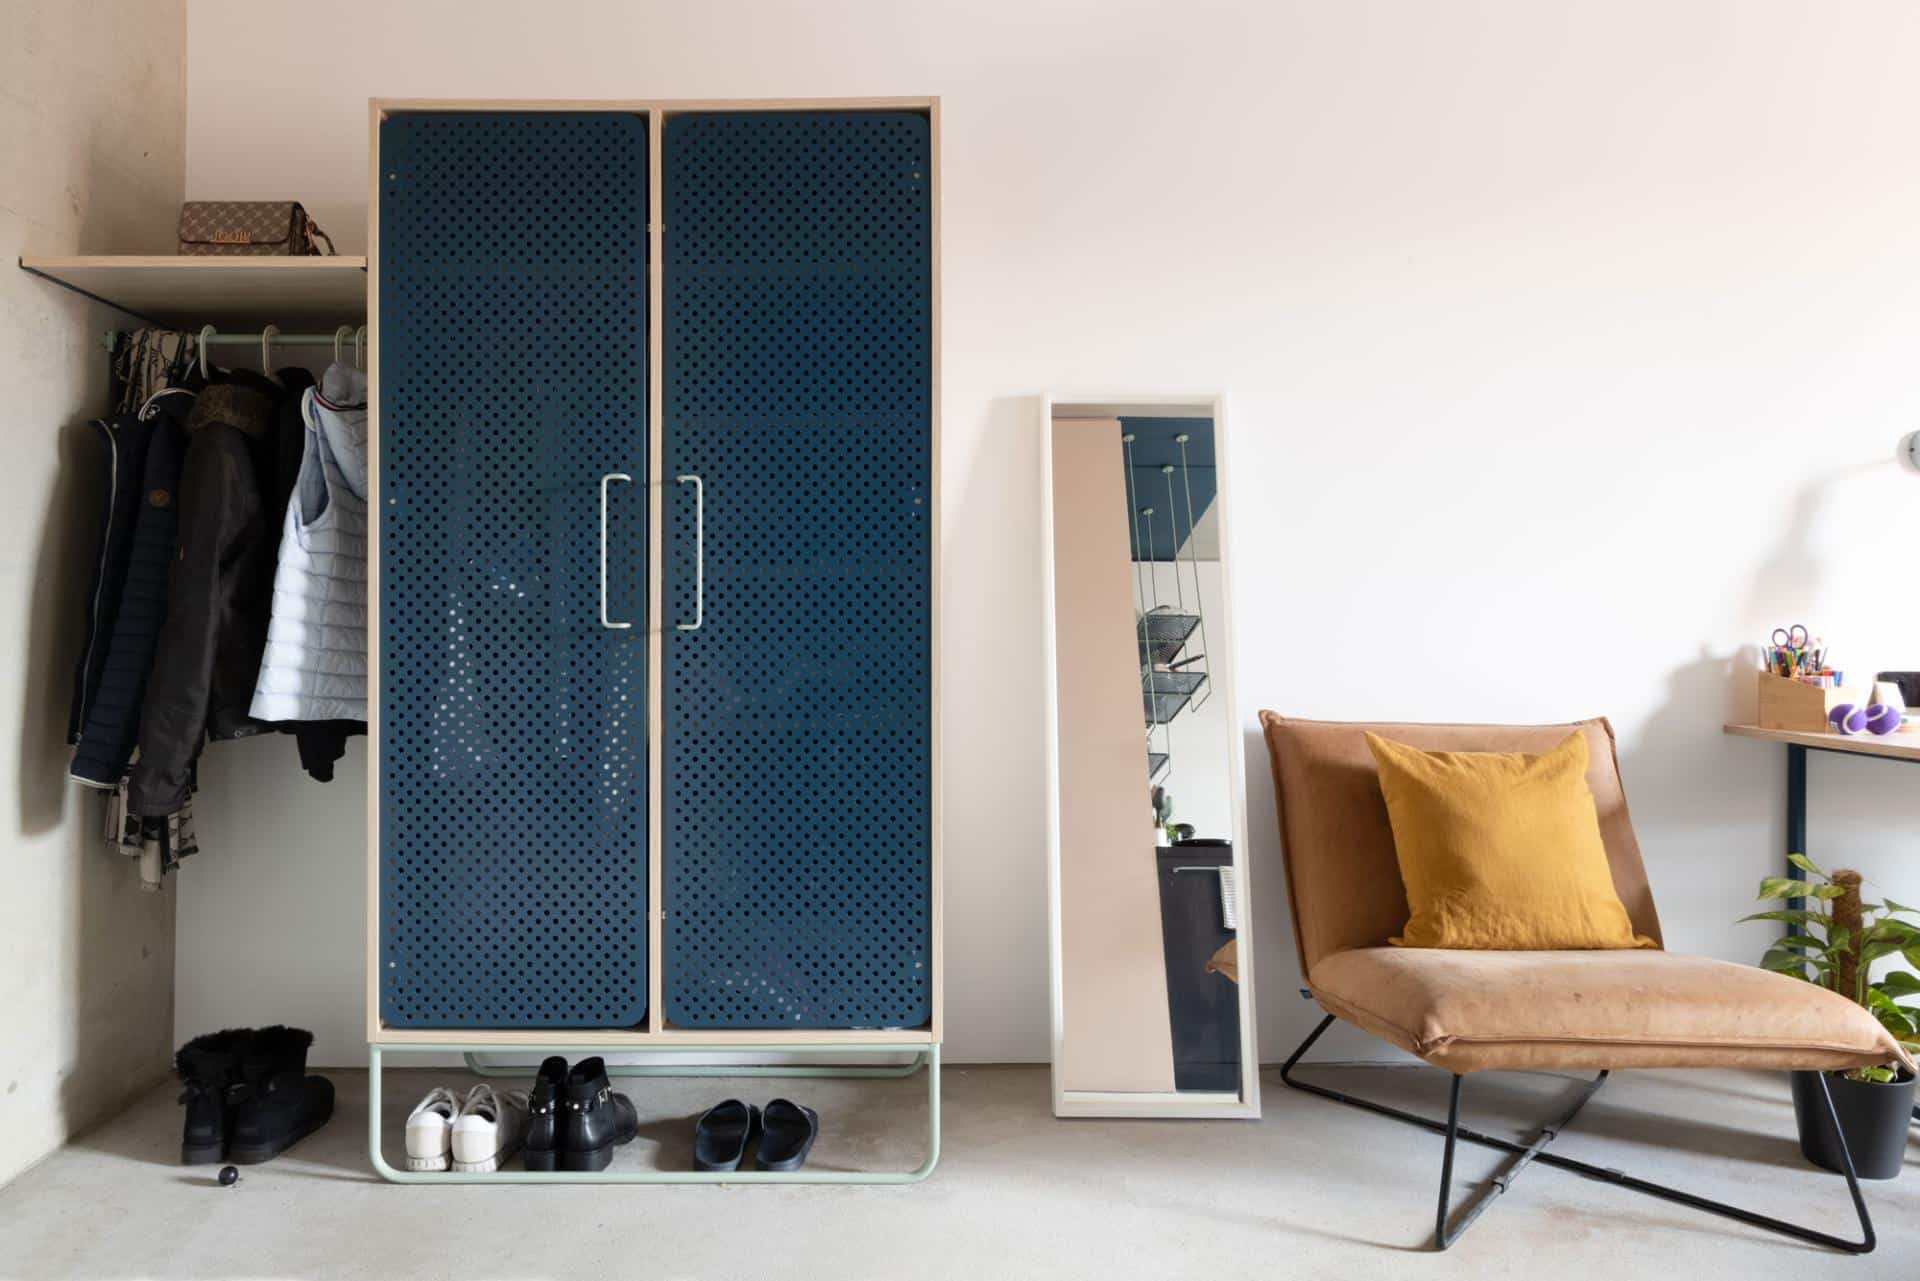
[
  {"x": 146, "y": 409},
  {"x": 359, "y": 336},
  {"x": 206, "y": 334},
  {"x": 266, "y": 354},
  {"x": 340, "y": 335}
]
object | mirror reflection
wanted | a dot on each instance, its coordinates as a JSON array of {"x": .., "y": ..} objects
[{"x": 1150, "y": 999}]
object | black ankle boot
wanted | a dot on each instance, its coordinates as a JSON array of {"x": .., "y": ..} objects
[
  {"x": 543, "y": 1118},
  {"x": 208, "y": 1066},
  {"x": 593, "y": 1119},
  {"x": 276, "y": 1103}
]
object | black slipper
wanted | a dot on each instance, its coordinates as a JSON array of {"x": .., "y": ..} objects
[
  {"x": 786, "y": 1136},
  {"x": 721, "y": 1135}
]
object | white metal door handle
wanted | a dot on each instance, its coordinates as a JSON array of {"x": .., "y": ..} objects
[
  {"x": 699, "y": 552},
  {"x": 606, "y": 480}
]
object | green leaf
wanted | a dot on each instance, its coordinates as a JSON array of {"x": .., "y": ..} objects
[
  {"x": 1828, "y": 891},
  {"x": 1907, "y": 935},
  {"x": 1878, "y": 1074},
  {"x": 1871, "y": 952},
  {"x": 1899, "y": 983},
  {"x": 1805, "y": 864},
  {"x": 1896, "y": 1020},
  {"x": 1781, "y": 961},
  {"x": 1801, "y": 941},
  {"x": 1784, "y": 887},
  {"x": 1791, "y": 915}
]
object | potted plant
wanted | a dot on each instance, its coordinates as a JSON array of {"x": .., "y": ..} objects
[{"x": 1834, "y": 941}]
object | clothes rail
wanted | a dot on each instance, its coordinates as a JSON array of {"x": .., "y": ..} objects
[{"x": 277, "y": 339}]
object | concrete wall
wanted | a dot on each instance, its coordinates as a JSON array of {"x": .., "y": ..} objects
[
  {"x": 92, "y": 149},
  {"x": 1566, "y": 348}
]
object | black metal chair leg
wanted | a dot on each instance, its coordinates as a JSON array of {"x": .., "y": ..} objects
[
  {"x": 1441, "y": 1237},
  {"x": 1452, "y": 1131},
  {"x": 1867, "y": 1239}
]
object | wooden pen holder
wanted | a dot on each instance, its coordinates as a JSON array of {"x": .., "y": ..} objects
[{"x": 1786, "y": 703}]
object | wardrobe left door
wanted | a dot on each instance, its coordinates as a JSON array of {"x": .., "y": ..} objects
[{"x": 511, "y": 261}]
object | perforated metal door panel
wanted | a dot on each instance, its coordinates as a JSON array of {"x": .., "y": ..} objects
[
  {"x": 513, "y": 781},
  {"x": 796, "y": 803}
]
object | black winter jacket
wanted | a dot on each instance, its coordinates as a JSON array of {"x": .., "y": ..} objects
[
  {"x": 219, "y": 596},
  {"x": 112, "y": 722},
  {"x": 123, "y": 456}
]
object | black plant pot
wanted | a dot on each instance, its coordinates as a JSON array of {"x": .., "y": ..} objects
[{"x": 1874, "y": 1117}]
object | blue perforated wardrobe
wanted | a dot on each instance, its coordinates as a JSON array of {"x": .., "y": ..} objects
[{"x": 655, "y": 735}]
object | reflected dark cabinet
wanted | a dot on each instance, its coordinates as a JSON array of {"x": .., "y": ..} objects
[{"x": 1203, "y": 1002}]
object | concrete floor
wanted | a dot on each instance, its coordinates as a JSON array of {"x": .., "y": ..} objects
[{"x": 1313, "y": 1190}]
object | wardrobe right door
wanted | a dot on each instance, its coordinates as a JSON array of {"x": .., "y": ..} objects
[{"x": 798, "y": 592}]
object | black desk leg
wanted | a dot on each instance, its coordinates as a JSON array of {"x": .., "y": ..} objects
[{"x": 1796, "y": 811}]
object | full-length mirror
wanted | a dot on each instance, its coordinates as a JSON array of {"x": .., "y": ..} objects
[{"x": 1152, "y": 963}]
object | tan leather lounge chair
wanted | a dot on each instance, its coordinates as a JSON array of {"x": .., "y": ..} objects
[{"x": 1471, "y": 1011}]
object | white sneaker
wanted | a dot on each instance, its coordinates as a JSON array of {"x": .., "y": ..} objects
[
  {"x": 490, "y": 1128},
  {"x": 430, "y": 1129}
]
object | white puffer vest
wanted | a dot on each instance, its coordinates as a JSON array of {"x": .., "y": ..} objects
[{"x": 315, "y": 665}]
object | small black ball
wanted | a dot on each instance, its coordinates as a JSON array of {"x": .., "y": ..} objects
[{"x": 228, "y": 1176}]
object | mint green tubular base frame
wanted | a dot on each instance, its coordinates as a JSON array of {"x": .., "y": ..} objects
[
  {"x": 927, "y": 1057},
  {"x": 892, "y": 1072}
]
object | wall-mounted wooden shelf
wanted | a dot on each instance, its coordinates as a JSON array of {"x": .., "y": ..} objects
[{"x": 189, "y": 292}]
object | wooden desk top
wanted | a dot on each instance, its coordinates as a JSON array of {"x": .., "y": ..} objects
[{"x": 1901, "y": 745}]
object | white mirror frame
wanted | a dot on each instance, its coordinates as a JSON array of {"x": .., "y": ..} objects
[{"x": 1168, "y": 1103}]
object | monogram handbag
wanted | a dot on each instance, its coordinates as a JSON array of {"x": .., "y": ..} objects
[{"x": 257, "y": 228}]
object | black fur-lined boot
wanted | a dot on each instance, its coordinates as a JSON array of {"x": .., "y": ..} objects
[
  {"x": 276, "y": 1104},
  {"x": 209, "y": 1067}
]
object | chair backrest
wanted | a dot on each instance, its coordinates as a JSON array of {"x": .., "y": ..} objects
[{"x": 1343, "y": 878}]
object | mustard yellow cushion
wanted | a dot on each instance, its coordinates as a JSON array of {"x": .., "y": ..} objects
[{"x": 1500, "y": 850}]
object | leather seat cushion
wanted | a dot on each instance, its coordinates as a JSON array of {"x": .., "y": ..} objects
[{"x": 1470, "y": 1011}]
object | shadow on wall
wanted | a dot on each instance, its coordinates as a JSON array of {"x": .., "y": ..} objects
[
  {"x": 53, "y": 639},
  {"x": 1284, "y": 1017},
  {"x": 118, "y": 938},
  {"x": 1675, "y": 766},
  {"x": 994, "y": 768},
  {"x": 1706, "y": 806},
  {"x": 1696, "y": 804},
  {"x": 1792, "y": 572}
]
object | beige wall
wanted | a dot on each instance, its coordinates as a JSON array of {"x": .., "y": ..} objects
[
  {"x": 1566, "y": 345},
  {"x": 92, "y": 152}
]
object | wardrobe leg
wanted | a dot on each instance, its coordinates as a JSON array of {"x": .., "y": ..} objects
[{"x": 374, "y": 1154}]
